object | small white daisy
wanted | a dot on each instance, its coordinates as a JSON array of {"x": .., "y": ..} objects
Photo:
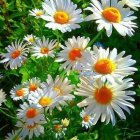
[
  {"x": 111, "y": 13},
  {"x": 44, "y": 48},
  {"x": 103, "y": 99},
  {"x": 62, "y": 15},
  {"x": 132, "y": 3},
  {"x": 109, "y": 65},
  {"x": 16, "y": 54},
  {"x": 87, "y": 120},
  {"x": 30, "y": 39},
  {"x": 30, "y": 114},
  {"x": 13, "y": 136},
  {"x": 37, "y": 13},
  {"x": 2, "y": 97},
  {"x": 18, "y": 92},
  {"x": 31, "y": 130},
  {"x": 73, "y": 53},
  {"x": 44, "y": 98}
]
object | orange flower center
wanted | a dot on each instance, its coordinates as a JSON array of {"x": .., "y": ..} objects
[
  {"x": 45, "y": 101},
  {"x": 104, "y": 66},
  {"x": 57, "y": 127},
  {"x": 32, "y": 87},
  {"x": 112, "y": 14},
  {"x": 31, "y": 113},
  {"x": 86, "y": 118},
  {"x": 61, "y": 17},
  {"x": 44, "y": 50},
  {"x": 75, "y": 53},
  {"x": 39, "y": 13},
  {"x": 15, "y": 54},
  {"x": 20, "y": 92},
  {"x": 103, "y": 95}
]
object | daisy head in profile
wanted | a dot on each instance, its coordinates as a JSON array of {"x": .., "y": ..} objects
[
  {"x": 73, "y": 53},
  {"x": 2, "y": 96},
  {"x": 44, "y": 48},
  {"x": 109, "y": 65},
  {"x": 16, "y": 54},
  {"x": 30, "y": 39},
  {"x": 102, "y": 99},
  {"x": 111, "y": 13},
  {"x": 62, "y": 15},
  {"x": 13, "y": 135},
  {"x": 37, "y": 13}
]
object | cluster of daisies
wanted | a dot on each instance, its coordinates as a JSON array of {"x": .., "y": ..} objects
[{"x": 102, "y": 72}]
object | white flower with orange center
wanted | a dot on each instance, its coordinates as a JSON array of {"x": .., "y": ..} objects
[
  {"x": 73, "y": 53},
  {"x": 87, "y": 121},
  {"x": 43, "y": 48},
  {"x": 103, "y": 99},
  {"x": 37, "y": 13},
  {"x": 18, "y": 92},
  {"x": 31, "y": 130},
  {"x": 44, "y": 98},
  {"x": 30, "y": 39},
  {"x": 2, "y": 96},
  {"x": 62, "y": 15},
  {"x": 30, "y": 114},
  {"x": 16, "y": 54},
  {"x": 13, "y": 136},
  {"x": 108, "y": 65},
  {"x": 111, "y": 13},
  {"x": 62, "y": 88},
  {"x": 132, "y": 4},
  {"x": 33, "y": 84}
]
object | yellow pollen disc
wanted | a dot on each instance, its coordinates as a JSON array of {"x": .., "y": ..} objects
[
  {"x": 104, "y": 66},
  {"x": 103, "y": 95},
  {"x": 32, "y": 87},
  {"x": 31, "y": 113},
  {"x": 39, "y": 13},
  {"x": 112, "y": 14},
  {"x": 31, "y": 40},
  {"x": 61, "y": 17},
  {"x": 86, "y": 118},
  {"x": 75, "y": 53},
  {"x": 15, "y": 54},
  {"x": 31, "y": 126},
  {"x": 45, "y": 101},
  {"x": 20, "y": 92},
  {"x": 44, "y": 50},
  {"x": 58, "y": 90}
]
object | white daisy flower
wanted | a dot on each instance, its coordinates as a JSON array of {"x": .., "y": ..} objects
[
  {"x": 62, "y": 88},
  {"x": 30, "y": 114},
  {"x": 132, "y": 3},
  {"x": 13, "y": 135},
  {"x": 31, "y": 130},
  {"x": 16, "y": 54},
  {"x": 37, "y": 13},
  {"x": 109, "y": 65},
  {"x": 32, "y": 84},
  {"x": 18, "y": 92},
  {"x": 44, "y": 98},
  {"x": 30, "y": 39},
  {"x": 44, "y": 48},
  {"x": 2, "y": 97},
  {"x": 73, "y": 53},
  {"x": 111, "y": 13},
  {"x": 87, "y": 120},
  {"x": 103, "y": 99},
  {"x": 62, "y": 15}
]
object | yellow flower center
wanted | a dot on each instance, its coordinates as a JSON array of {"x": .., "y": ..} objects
[
  {"x": 32, "y": 126},
  {"x": 44, "y": 50},
  {"x": 75, "y": 53},
  {"x": 45, "y": 101},
  {"x": 112, "y": 14},
  {"x": 61, "y": 17},
  {"x": 31, "y": 39},
  {"x": 86, "y": 118},
  {"x": 20, "y": 92},
  {"x": 39, "y": 13},
  {"x": 15, "y": 54},
  {"x": 103, "y": 95},
  {"x": 32, "y": 87},
  {"x": 104, "y": 66},
  {"x": 58, "y": 90},
  {"x": 57, "y": 127},
  {"x": 31, "y": 113}
]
